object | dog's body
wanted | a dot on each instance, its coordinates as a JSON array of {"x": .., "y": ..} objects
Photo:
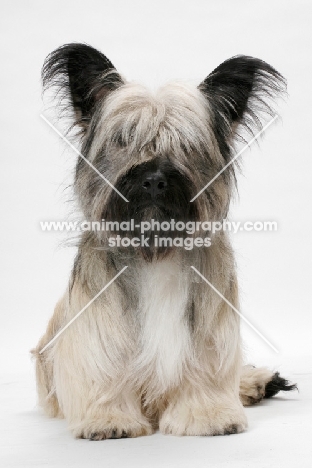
[{"x": 158, "y": 347}]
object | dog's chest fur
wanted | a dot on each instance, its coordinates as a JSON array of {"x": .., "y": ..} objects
[{"x": 164, "y": 323}]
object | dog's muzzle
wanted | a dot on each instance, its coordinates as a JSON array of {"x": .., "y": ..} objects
[{"x": 155, "y": 189}]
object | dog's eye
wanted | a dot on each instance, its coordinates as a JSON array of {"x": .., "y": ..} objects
[
  {"x": 122, "y": 141},
  {"x": 119, "y": 141}
]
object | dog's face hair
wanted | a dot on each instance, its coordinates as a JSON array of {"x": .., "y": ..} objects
[{"x": 158, "y": 150}]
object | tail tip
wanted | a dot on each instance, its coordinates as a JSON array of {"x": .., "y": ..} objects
[{"x": 278, "y": 384}]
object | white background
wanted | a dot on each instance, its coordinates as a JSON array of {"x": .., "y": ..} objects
[{"x": 152, "y": 42}]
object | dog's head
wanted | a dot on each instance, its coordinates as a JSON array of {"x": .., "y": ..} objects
[{"x": 158, "y": 150}]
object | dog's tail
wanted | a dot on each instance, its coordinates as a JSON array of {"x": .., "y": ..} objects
[
  {"x": 277, "y": 384},
  {"x": 259, "y": 382}
]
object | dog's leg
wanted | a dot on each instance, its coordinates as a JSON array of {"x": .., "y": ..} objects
[
  {"x": 207, "y": 401},
  {"x": 44, "y": 368},
  {"x": 87, "y": 366}
]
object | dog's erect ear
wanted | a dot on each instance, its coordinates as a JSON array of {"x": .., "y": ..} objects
[
  {"x": 240, "y": 91},
  {"x": 82, "y": 76}
]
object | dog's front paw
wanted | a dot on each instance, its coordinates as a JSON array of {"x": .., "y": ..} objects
[
  {"x": 221, "y": 419},
  {"x": 111, "y": 428}
]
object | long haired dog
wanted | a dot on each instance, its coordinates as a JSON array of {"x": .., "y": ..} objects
[{"x": 158, "y": 348}]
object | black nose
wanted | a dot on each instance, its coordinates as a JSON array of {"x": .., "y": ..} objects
[{"x": 154, "y": 183}]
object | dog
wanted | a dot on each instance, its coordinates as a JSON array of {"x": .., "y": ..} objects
[{"x": 158, "y": 349}]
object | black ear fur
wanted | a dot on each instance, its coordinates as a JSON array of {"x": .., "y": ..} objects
[
  {"x": 240, "y": 91},
  {"x": 82, "y": 75}
]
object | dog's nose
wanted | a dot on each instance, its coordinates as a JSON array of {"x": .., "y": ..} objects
[{"x": 154, "y": 183}]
